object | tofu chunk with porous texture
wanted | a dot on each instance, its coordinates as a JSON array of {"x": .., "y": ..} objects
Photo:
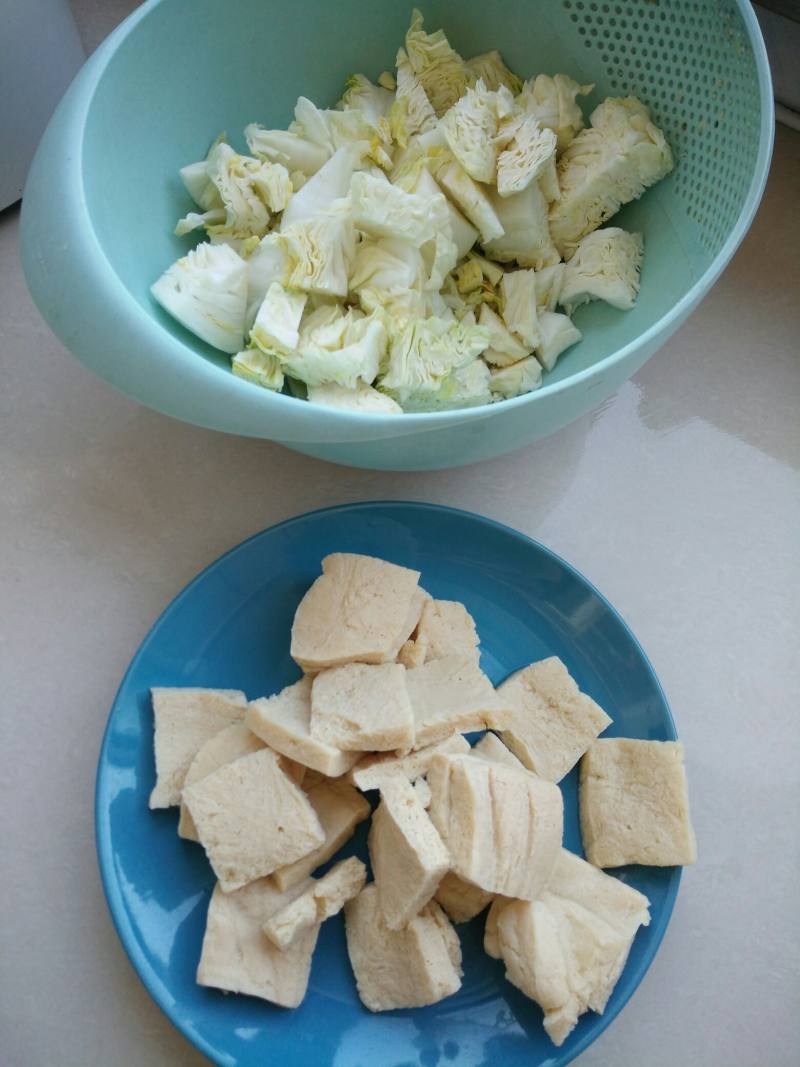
[
  {"x": 362, "y": 707},
  {"x": 634, "y": 804},
  {"x": 567, "y": 949},
  {"x": 340, "y": 808},
  {"x": 445, "y": 628},
  {"x": 320, "y": 901},
  {"x": 224, "y": 747},
  {"x": 370, "y": 771},
  {"x": 502, "y": 826},
  {"x": 461, "y": 900},
  {"x": 359, "y": 609},
  {"x": 251, "y": 819},
  {"x": 491, "y": 943},
  {"x": 284, "y": 722},
  {"x": 184, "y": 720},
  {"x": 407, "y": 854},
  {"x": 238, "y": 958},
  {"x": 491, "y": 748},
  {"x": 552, "y": 722},
  {"x": 408, "y": 968},
  {"x": 452, "y": 695}
]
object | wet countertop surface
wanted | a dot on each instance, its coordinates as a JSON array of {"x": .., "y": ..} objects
[{"x": 679, "y": 499}]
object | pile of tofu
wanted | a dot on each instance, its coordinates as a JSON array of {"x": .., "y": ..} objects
[{"x": 272, "y": 789}]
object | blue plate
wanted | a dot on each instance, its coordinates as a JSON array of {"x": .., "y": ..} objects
[{"x": 230, "y": 628}]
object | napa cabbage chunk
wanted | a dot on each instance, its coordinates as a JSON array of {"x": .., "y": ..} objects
[
  {"x": 440, "y": 69},
  {"x": 557, "y": 332},
  {"x": 423, "y": 353},
  {"x": 605, "y": 266},
  {"x": 206, "y": 291},
  {"x": 608, "y": 164},
  {"x": 491, "y": 69},
  {"x": 516, "y": 378},
  {"x": 362, "y": 398}
]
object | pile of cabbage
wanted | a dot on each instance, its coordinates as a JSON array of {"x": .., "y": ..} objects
[{"x": 409, "y": 249}]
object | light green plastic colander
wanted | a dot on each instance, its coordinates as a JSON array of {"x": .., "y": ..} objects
[{"x": 104, "y": 194}]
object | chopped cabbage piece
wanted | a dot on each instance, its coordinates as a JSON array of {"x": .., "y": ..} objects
[
  {"x": 373, "y": 101},
  {"x": 399, "y": 304},
  {"x": 518, "y": 292},
  {"x": 333, "y": 129},
  {"x": 469, "y": 276},
  {"x": 462, "y": 233},
  {"x": 490, "y": 67},
  {"x": 340, "y": 348},
  {"x": 424, "y": 352},
  {"x": 260, "y": 368},
  {"x": 524, "y": 220},
  {"x": 516, "y": 378},
  {"x": 470, "y": 128},
  {"x": 553, "y": 101},
  {"x": 320, "y": 251},
  {"x": 267, "y": 263},
  {"x": 503, "y": 348},
  {"x": 491, "y": 272},
  {"x": 412, "y": 112},
  {"x": 607, "y": 165},
  {"x": 467, "y": 387},
  {"x": 381, "y": 209},
  {"x": 247, "y": 188},
  {"x": 387, "y": 80},
  {"x": 548, "y": 287},
  {"x": 329, "y": 184},
  {"x": 605, "y": 266},
  {"x": 473, "y": 200},
  {"x": 277, "y": 323},
  {"x": 557, "y": 333},
  {"x": 362, "y": 398},
  {"x": 206, "y": 291},
  {"x": 199, "y": 185},
  {"x": 296, "y": 153},
  {"x": 529, "y": 154},
  {"x": 387, "y": 263},
  {"x": 215, "y": 217},
  {"x": 440, "y": 69},
  {"x": 242, "y": 246}
]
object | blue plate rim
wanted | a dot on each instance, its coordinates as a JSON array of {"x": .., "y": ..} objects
[{"x": 103, "y": 842}]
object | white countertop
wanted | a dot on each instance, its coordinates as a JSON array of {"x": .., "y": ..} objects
[{"x": 680, "y": 499}]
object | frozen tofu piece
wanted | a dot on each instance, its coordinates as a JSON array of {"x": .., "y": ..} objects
[
  {"x": 452, "y": 695},
  {"x": 418, "y": 602},
  {"x": 552, "y": 721},
  {"x": 359, "y": 609},
  {"x": 362, "y": 707},
  {"x": 407, "y": 855},
  {"x": 567, "y": 949},
  {"x": 340, "y": 808},
  {"x": 445, "y": 628},
  {"x": 423, "y": 791},
  {"x": 284, "y": 722},
  {"x": 408, "y": 968},
  {"x": 491, "y": 748},
  {"x": 461, "y": 900},
  {"x": 491, "y": 943},
  {"x": 320, "y": 901},
  {"x": 370, "y": 771},
  {"x": 238, "y": 958},
  {"x": 224, "y": 747},
  {"x": 184, "y": 720},
  {"x": 502, "y": 826},
  {"x": 252, "y": 819},
  {"x": 624, "y": 908},
  {"x": 634, "y": 804}
]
